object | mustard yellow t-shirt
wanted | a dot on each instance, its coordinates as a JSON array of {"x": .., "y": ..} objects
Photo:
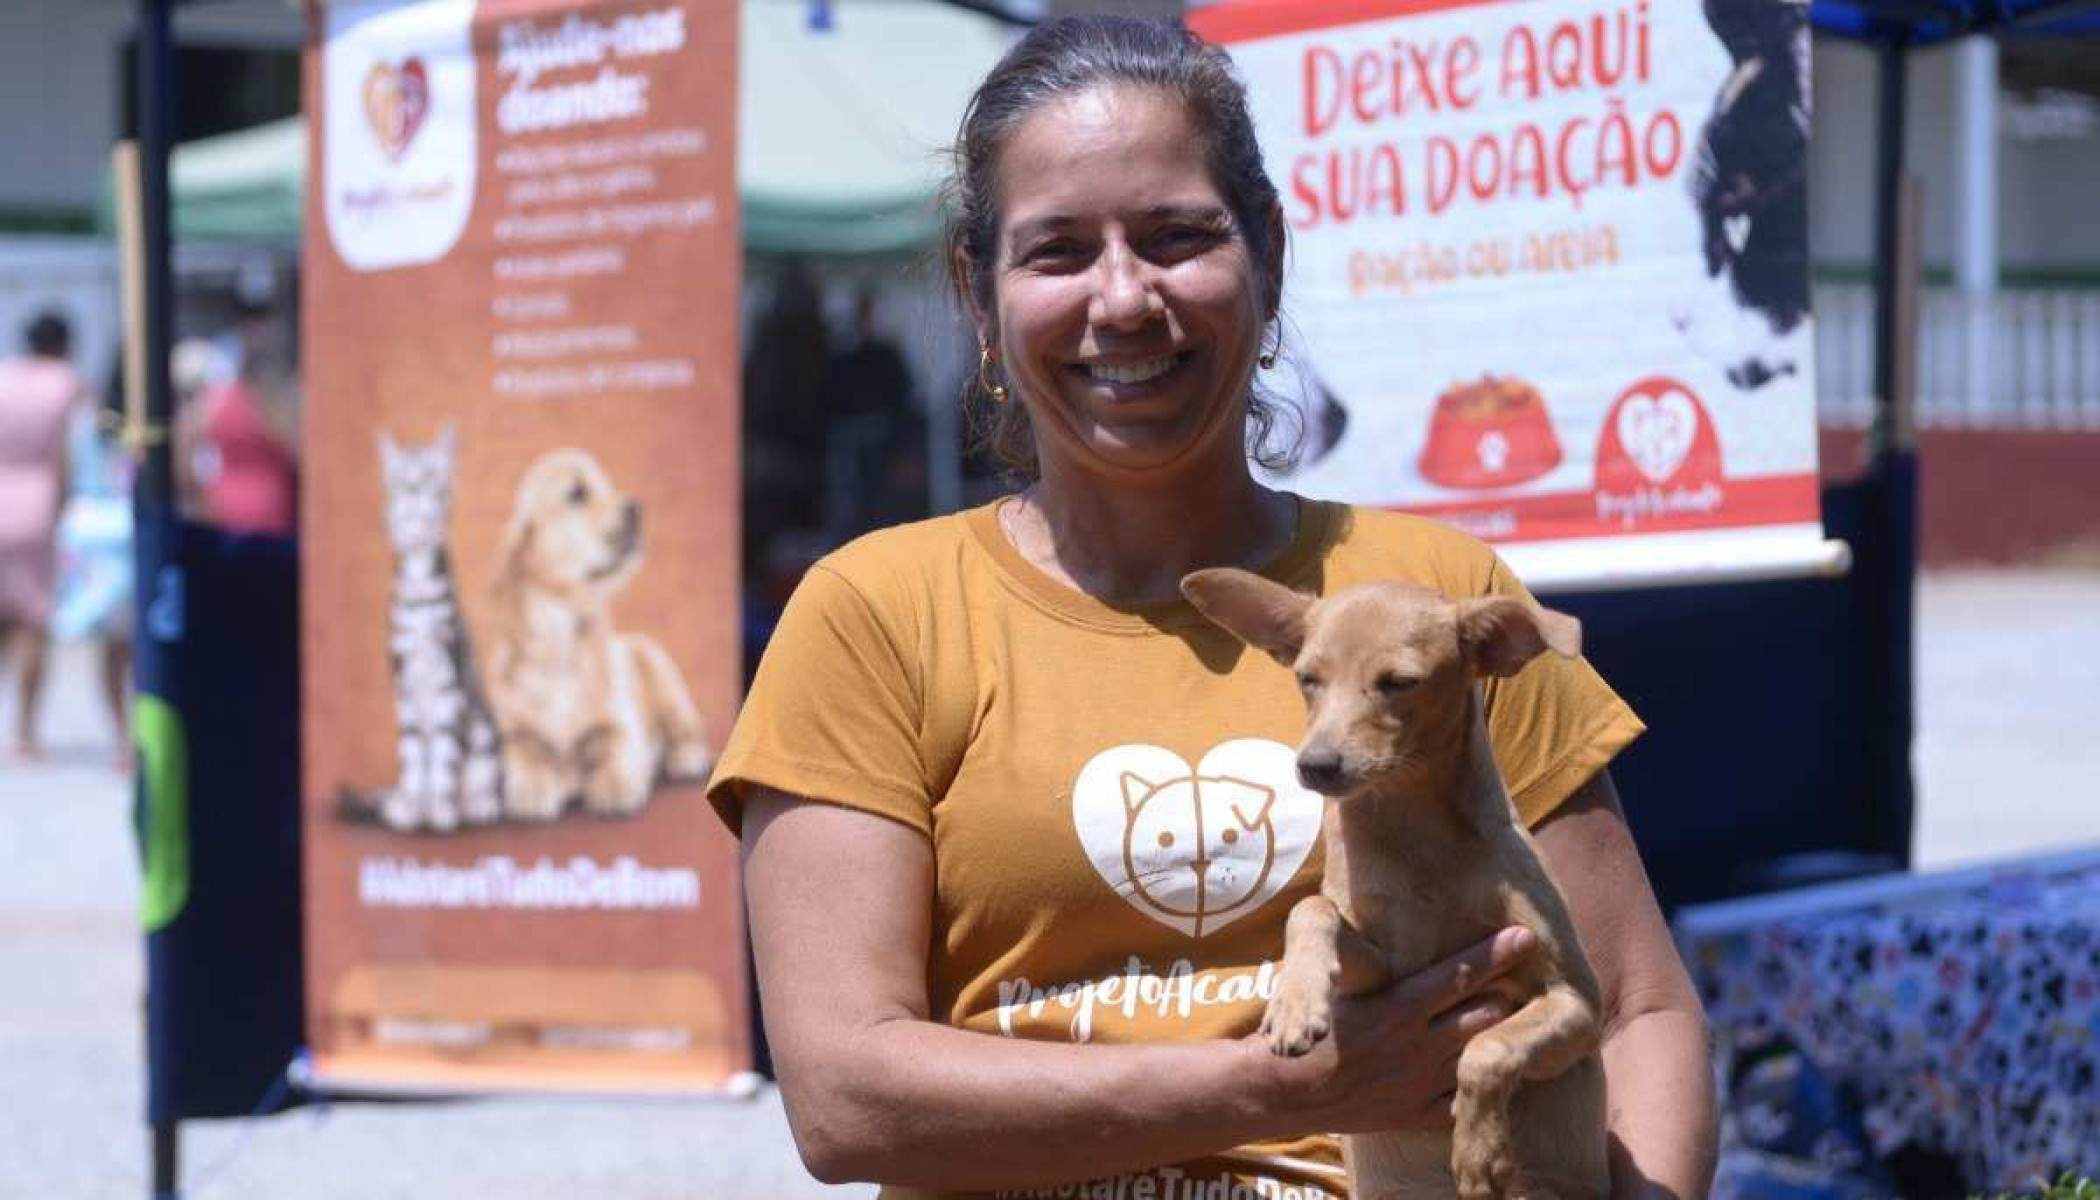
[{"x": 1067, "y": 758}]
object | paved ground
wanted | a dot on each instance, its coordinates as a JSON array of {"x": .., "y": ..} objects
[
  {"x": 2008, "y": 751},
  {"x": 2009, "y": 693}
]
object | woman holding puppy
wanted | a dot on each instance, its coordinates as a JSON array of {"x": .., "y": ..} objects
[{"x": 1021, "y": 828}]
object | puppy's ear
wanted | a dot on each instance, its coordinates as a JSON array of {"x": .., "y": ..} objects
[
  {"x": 517, "y": 535},
  {"x": 1260, "y": 612},
  {"x": 1499, "y": 634}
]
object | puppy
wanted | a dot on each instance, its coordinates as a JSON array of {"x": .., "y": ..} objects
[
  {"x": 583, "y": 711},
  {"x": 1424, "y": 857}
]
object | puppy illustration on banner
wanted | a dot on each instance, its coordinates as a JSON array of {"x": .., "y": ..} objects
[
  {"x": 571, "y": 711},
  {"x": 587, "y": 713}
]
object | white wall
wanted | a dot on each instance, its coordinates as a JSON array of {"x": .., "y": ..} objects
[
  {"x": 59, "y": 93},
  {"x": 73, "y": 276},
  {"x": 60, "y": 85},
  {"x": 2046, "y": 190}
]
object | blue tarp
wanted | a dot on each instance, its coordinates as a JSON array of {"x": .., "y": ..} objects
[{"x": 1926, "y": 22}]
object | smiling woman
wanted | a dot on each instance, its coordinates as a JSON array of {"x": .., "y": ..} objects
[
  {"x": 1022, "y": 831},
  {"x": 1148, "y": 182}
]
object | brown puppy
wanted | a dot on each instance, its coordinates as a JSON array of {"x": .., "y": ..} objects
[
  {"x": 583, "y": 711},
  {"x": 1425, "y": 856}
]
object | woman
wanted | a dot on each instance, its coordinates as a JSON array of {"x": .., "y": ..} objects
[
  {"x": 245, "y": 468},
  {"x": 38, "y": 393},
  {"x": 95, "y": 592},
  {"x": 969, "y": 985}
]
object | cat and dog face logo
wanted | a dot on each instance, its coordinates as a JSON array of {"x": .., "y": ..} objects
[{"x": 1196, "y": 848}]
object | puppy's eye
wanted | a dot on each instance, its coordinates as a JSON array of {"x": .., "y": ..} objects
[
  {"x": 1391, "y": 684},
  {"x": 1308, "y": 682},
  {"x": 578, "y": 493}
]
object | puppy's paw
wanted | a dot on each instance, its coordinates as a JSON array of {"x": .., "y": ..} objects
[
  {"x": 533, "y": 796},
  {"x": 611, "y": 792},
  {"x": 1483, "y": 1158},
  {"x": 442, "y": 816},
  {"x": 1296, "y": 1020},
  {"x": 400, "y": 812},
  {"x": 480, "y": 807},
  {"x": 1488, "y": 1177},
  {"x": 688, "y": 759}
]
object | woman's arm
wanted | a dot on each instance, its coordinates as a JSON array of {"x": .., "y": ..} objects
[
  {"x": 1656, "y": 1062},
  {"x": 841, "y": 906}
]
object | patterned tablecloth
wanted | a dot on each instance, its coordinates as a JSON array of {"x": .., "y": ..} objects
[{"x": 1914, "y": 1034}]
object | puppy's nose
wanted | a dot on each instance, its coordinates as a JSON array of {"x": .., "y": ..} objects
[{"x": 1320, "y": 769}]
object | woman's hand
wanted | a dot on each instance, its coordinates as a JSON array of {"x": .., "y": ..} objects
[{"x": 1390, "y": 1061}]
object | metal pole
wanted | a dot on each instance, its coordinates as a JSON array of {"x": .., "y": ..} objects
[
  {"x": 167, "y": 1174},
  {"x": 1887, "y": 572},
  {"x": 156, "y": 116},
  {"x": 1888, "y": 182},
  {"x": 153, "y": 495},
  {"x": 1976, "y": 248}
]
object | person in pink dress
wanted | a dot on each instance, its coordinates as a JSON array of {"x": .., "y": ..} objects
[{"x": 38, "y": 393}]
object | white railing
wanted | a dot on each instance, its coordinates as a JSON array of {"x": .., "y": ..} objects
[{"x": 2026, "y": 358}]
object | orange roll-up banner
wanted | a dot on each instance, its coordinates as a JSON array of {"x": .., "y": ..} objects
[{"x": 520, "y": 537}]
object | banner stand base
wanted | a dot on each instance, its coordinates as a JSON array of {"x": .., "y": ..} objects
[
  {"x": 740, "y": 1087},
  {"x": 1619, "y": 564}
]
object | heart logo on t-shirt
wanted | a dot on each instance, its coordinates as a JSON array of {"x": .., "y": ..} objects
[
  {"x": 1657, "y": 432},
  {"x": 1196, "y": 849}
]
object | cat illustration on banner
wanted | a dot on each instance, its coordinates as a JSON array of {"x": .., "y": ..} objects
[
  {"x": 570, "y": 710},
  {"x": 450, "y": 770}
]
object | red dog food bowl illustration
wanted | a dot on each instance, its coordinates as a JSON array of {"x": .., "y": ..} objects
[{"x": 1491, "y": 433}]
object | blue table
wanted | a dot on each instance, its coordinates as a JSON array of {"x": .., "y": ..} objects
[{"x": 1909, "y": 1034}]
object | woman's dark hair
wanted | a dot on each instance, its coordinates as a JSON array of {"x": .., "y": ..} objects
[
  {"x": 48, "y": 336},
  {"x": 1065, "y": 57}
]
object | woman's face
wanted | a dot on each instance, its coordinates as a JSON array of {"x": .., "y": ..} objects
[{"x": 1128, "y": 310}]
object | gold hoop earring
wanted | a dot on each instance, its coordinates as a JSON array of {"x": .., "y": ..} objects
[
  {"x": 1267, "y": 359},
  {"x": 984, "y": 375}
]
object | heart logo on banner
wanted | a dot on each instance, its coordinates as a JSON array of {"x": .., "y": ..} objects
[
  {"x": 397, "y": 98},
  {"x": 1196, "y": 849},
  {"x": 1657, "y": 432}
]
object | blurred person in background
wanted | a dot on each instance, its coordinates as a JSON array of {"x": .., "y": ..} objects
[
  {"x": 238, "y": 447},
  {"x": 94, "y": 549},
  {"x": 193, "y": 365},
  {"x": 873, "y": 421},
  {"x": 39, "y": 392},
  {"x": 785, "y": 365},
  {"x": 785, "y": 414}
]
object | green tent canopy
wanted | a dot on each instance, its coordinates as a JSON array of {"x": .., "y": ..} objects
[{"x": 841, "y": 133}]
